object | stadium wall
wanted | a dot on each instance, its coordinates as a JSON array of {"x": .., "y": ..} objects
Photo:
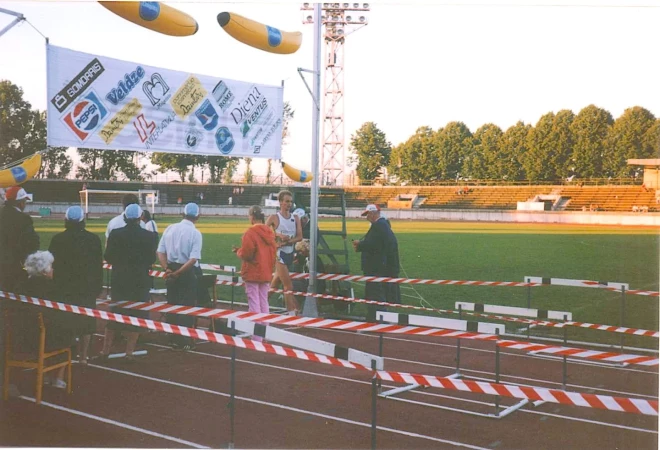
[{"x": 559, "y": 217}]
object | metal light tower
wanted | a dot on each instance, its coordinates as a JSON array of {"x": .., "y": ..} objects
[{"x": 339, "y": 20}]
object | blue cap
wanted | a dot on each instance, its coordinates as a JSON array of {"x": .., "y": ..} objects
[
  {"x": 74, "y": 214},
  {"x": 133, "y": 211},
  {"x": 191, "y": 209}
]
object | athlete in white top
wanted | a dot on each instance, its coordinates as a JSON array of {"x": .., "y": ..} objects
[
  {"x": 287, "y": 232},
  {"x": 118, "y": 221}
]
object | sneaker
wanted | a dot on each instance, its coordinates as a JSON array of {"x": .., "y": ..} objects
[{"x": 59, "y": 384}]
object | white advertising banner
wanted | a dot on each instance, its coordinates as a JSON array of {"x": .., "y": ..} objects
[{"x": 105, "y": 103}]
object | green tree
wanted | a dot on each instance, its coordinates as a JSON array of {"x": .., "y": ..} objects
[
  {"x": 627, "y": 138},
  {"x": 590, "y": 130},
  {"x": 541, "y": 147},
  {"x": 562, "y": 135},
  {"x": 180, "y": 163},
  {"x": 416, "y": 159},
  {"x": 454, "y": 143},
  {"x": 485, "y": 159},
  {"x": 230, "y": 169},
  {"x": 108, "y": 165},
  {"x": 249, "y": 175},
  {"x": 372, "y": 151},
  {"x": 513, "y": 148}
]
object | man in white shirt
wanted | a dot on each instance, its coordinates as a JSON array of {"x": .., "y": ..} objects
[
  {"x": 179, "y": 253},
  {"x": 118, "y": 221}
]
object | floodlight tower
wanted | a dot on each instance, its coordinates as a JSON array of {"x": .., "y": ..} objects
[{"x": 339, "y": 20}]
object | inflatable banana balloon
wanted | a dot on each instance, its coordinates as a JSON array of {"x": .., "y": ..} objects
[
  {"x": 155, "y": 16},
  {"x": 258, "y": 35},
  {"x": 296, "y": 174},
  {"x": 20, "y": 174}
]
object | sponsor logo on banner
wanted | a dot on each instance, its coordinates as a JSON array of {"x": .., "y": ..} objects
[
  {"x": 274, "y": 36},
  {"x": 149, "y": 11},
  {"x": 256, "y": 149},
  {"x": 151, "y": 140},
  {"x": 120, "y": 120},
  {"x": 247, "y": 112},
  {"x": 156, "y": 90},
  {"x": 207, "y": 115},
  {"x": 193, "y": 138},
  {"x": 143, "y": 128},
  {"x": 223, "y": 96},
  {"x": 85, "y": 116},
  {"x": 19, "y": 174},
  {"x": 77, "y": 85},
  {"x": 224, "y": 140},
  {"x": 186, "y": 99},
  {"x": 125, "y": 86}
]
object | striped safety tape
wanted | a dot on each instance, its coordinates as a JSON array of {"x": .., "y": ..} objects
[
  {"x": 637, "y": 406},
  {"x": 621, "y": 404},
  {"x": 345, "y": 325}
]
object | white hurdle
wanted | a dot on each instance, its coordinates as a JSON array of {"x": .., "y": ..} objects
[
  {"x": 514, "y": 311},
  {"x": 451, "y": 324}
]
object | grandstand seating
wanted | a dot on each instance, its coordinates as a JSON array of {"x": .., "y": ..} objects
[{"x": 622, "y": 198}]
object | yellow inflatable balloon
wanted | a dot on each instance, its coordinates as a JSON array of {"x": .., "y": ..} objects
[
  {"x": 155, "y": 16},
  {"x": 296, "y": 174},
  {"x": 21, "y": 173},
  {"x": 258, "y": 35}
]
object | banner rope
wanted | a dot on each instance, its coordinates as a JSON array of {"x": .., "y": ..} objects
[{"x": 621, "y": 404}]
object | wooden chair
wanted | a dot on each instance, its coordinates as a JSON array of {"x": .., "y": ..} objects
[{"x": 40, "y": 363}]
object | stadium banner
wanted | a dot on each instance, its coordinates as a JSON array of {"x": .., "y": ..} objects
[{"x": 105, "y": 103}]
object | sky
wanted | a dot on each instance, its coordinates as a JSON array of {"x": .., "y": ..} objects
[{"x": 420, "y": 63}]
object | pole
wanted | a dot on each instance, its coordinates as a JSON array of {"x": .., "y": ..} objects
[
  {"x": 310, "y": 309},
  {"x": 623, "y": 313},
  {"x": 497, "y": 372},
  {"x": 563, "y": 378},
  {"x": 232, "y": 383},
  {"x": 374, "y": 396}
]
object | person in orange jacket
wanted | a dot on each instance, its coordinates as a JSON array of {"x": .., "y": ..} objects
[{"x": 257, "y": 252}]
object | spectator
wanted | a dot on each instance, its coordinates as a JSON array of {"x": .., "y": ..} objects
[
  {"x": 39, "y": 267},
  {"x": 120, "y": 221},
  {"x": 257, "y": 252},
  {"x": 17, "y": 238},
  {"x": 380, "y": 257},
  {"x": 179, "y": 252},
  {"x": 287, "y": 233},
  {"x": 148, "y": 222},
  {"x": 304, "y": 222},
  {"x": 78, "y": 272},
  {"x": 131, "y": 250}
]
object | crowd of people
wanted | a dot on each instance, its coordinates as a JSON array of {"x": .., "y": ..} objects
[{"x": 71, "y": 270}]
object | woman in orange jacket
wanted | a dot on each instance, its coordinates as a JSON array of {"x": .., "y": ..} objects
[{"x": 257, "y": 252}]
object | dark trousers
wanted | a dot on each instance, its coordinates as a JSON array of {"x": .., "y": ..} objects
[
  {"x": 374, "y": 291},
  {"x": 181, "y": 291}
]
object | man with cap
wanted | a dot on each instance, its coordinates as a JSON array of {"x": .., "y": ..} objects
[
  {"x": 179, "y": 253},
  {"x": 380, "y": 258},
  {"x": 78, "y": 272},
  {"x": 131, "y": 250},
  {"x": 118, "y": 221},
  {"x": 17, "y": 238}
]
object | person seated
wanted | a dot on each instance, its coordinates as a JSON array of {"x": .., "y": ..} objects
[{"x": 40, "y": 284}]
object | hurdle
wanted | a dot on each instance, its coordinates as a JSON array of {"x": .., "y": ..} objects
[
  {"x": 452, "y": 324},
  {"x": 295, "y": 340},
  {"x": 608, "y": 285}
]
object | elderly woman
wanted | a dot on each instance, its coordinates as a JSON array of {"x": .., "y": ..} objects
[{"x": 39, "y": 267}]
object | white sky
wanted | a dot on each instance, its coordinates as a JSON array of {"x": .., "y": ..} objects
[{"x": 425, "y": 63}]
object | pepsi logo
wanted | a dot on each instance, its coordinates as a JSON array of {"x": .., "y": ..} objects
[
  {"x": 274, "y": 36},
  {"x": 149, "y": 11},
  {"x": 85, "y": 116}
]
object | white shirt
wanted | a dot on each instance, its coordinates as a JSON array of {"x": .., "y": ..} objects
[
  {"x": 117, "y": 222},
  {"x": 181, "y": 242},
  {"x": 151, "y": 226}
]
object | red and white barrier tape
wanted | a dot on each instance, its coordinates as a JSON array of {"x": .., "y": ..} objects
[
  {"x": 637, "y": 406},
  {"x": 629, "y": 405},
  {"x": 311, "y": 322}
]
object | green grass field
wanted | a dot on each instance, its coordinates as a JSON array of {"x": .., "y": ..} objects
[{"x": 488, "y": 252}]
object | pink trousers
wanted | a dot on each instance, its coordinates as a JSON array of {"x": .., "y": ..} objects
[{"x": 257, "y": 295}]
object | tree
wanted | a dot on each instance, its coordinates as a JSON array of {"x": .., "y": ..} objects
[
  {"x": 562, "y": 135},
  {"x": 230, "y": 169},
  {"x": 513, "y": 148},
  {"x": 590, "y": 130},
  {"x": 416, "y": 159},
  {"x": 372, "y": 151},
  {"x": 454, "y": 144},
  {"x": 108, "y": 165},
  {"x": 177, "y": 162},
  {"x": 485, "y": 159},
  {"x": 249, "y": 175},
  {"x": 541, "y": 146},
  {"x": 627, "y": 138}
]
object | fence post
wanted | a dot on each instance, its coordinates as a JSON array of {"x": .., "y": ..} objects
[
  {"x": 232, "y": 383},
  {"x": 563, "y": 378},
  {"x": 374, "y": 397},
  {"x": 623, "y": 313}
]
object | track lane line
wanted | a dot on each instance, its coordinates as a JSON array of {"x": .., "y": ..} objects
[{"x": 115, "y": 423}]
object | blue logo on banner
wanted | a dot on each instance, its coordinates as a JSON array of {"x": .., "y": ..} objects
[
  {"x": 19, "y": 173},
  {"x": 274, "y": 36},
  {"x": 224, "y": 140},
  {"x": 207, "y": 115},
  {"x": 149, "y": 11}
]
